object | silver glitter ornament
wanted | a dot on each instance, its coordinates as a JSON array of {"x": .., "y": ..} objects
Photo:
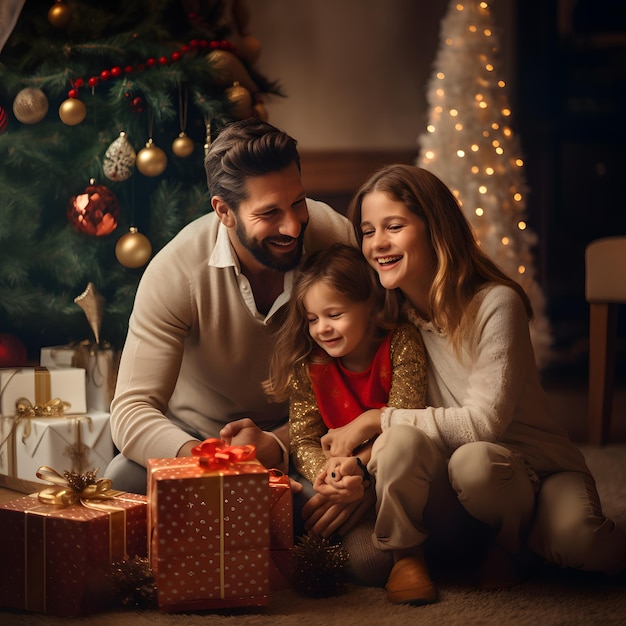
[{"x": 119, "y": 159}]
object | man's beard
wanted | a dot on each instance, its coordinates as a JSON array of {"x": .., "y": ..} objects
[{"x": 264, "y": 255}]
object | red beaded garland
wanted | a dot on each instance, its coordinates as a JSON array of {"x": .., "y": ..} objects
[{"x": 175, "y": 56}]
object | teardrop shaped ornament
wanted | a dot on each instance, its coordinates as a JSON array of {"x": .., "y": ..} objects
[{"x": 119, "y": 159}]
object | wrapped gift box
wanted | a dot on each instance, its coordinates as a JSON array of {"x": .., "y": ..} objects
[
  {"x": 209, "y": 534},
  {"x": 76, "y": 443},
  {"x": 58, "y": 560},
  {"x": 40, "y": 385},
  {"x": 100, "y": 365},
  {"x": 282, "y": 564}
]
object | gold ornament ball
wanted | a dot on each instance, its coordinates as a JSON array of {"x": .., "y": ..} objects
[
  {"x": 249, "y": 49},
  {"x": 72, "y": 111},
  {"x": 30, "y": 105},
  {"x": 182, "y": 146},
  {"x": 227, "y": 68},
  {"x": 151, "y": 160},
  {"x": 60, "y": 14},
  {"x": 239, "y": 102},
  {"x": 133, "y": 249},
  {"x": 260, "y": 111}
]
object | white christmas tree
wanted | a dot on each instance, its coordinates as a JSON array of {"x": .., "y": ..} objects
[{"x": 470, "y": 145}]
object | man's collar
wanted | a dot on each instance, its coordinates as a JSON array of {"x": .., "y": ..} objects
[{"x": 223, "y": 254}]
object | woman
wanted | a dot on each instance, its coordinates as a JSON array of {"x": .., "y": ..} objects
[{"x": 486, "y": 425}]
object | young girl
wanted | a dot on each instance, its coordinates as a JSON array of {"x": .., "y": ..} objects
[
  {"x": 338, "y": 353},
  {"x": 486, "y": 426}
]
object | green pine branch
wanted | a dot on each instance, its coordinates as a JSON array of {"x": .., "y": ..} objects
[{"x": 44, "y": 261}]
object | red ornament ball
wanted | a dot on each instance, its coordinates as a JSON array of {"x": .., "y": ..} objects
[
  {"x": 95, "y": 212},
  {"x": 12, "y": 351},
  {"x": 4, "y": 120}
]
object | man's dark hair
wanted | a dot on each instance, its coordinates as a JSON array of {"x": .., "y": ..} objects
[{"x": 244, "y": 149}]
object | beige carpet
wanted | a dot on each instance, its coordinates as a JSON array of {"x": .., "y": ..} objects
[{"x": 552, "y": 597}]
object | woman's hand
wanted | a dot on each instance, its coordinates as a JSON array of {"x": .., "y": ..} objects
[{"x": 342, "y": 442}]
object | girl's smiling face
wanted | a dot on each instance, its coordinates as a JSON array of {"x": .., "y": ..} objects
[
  {"x": 341, "y": 327},
  {"x": 396, "y": 244}
]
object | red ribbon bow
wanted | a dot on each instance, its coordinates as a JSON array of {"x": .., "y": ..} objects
[{"x": 216, "y": 454}]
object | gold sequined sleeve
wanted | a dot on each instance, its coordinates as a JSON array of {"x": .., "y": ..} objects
[
  {"x": 306, "y": 426},
  {"x": 409, "y": 376}
]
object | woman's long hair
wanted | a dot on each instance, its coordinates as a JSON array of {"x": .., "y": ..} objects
[
  {"x": 344, "y": 269},
  {"x": 462, "y": 266}
]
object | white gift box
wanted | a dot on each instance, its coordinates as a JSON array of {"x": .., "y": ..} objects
[
  {"x": 40, "y": 385},
  {"x": 99, "y": 364},
  {"x": 76, "y": 443}
]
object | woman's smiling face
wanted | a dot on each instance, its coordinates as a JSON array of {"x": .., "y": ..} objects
[{"x": 396, "y": 244}]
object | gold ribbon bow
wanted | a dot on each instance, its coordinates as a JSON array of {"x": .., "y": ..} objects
[
  {"x": 53, "y": 408},
  {"x": 85, "y": 489},
  {"x": 24, "y": 409}
]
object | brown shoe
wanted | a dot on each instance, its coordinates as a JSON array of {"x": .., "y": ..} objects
[{"x": 410, "y": 583}]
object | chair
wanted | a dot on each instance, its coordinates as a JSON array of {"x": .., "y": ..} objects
[{"x": 605, "y": 289}]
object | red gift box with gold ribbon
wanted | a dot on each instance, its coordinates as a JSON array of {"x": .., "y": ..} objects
[
  {"x": 282, "y": 565},
  {"x": 208, "y": 524},
  {"x": 58, "y": 546}
]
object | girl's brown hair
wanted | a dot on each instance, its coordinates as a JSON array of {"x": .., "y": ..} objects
[{"x": 344, "y": 269}]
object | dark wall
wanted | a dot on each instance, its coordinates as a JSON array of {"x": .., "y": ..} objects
[{"x": 571, "y": 115}]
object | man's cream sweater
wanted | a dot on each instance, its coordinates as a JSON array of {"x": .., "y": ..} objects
[{"x": 196, "y": 354}]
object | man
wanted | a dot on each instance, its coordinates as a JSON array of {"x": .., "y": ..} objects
[{"x": 198, "y": 343}]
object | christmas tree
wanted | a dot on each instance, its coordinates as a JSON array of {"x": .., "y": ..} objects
[
  {"x": 469, "y": 143},
  {"x": 106, "y": 110}
]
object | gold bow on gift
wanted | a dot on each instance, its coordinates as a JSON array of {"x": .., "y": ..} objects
[
  {"x": 25, "y": 409},
  {"x": 52, "y": 408},
  {"x": 73, "y": 488}
]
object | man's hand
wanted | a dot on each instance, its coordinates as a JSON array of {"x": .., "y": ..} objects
[
  {"x": 325, "y": 518},
  {"x": 186, "y": 449},
  {"x": 268, "y": 451}
]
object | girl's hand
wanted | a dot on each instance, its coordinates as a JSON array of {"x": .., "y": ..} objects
[
  {"x": 343, "y": 480},
  {"x": 344, "y": 441}
]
